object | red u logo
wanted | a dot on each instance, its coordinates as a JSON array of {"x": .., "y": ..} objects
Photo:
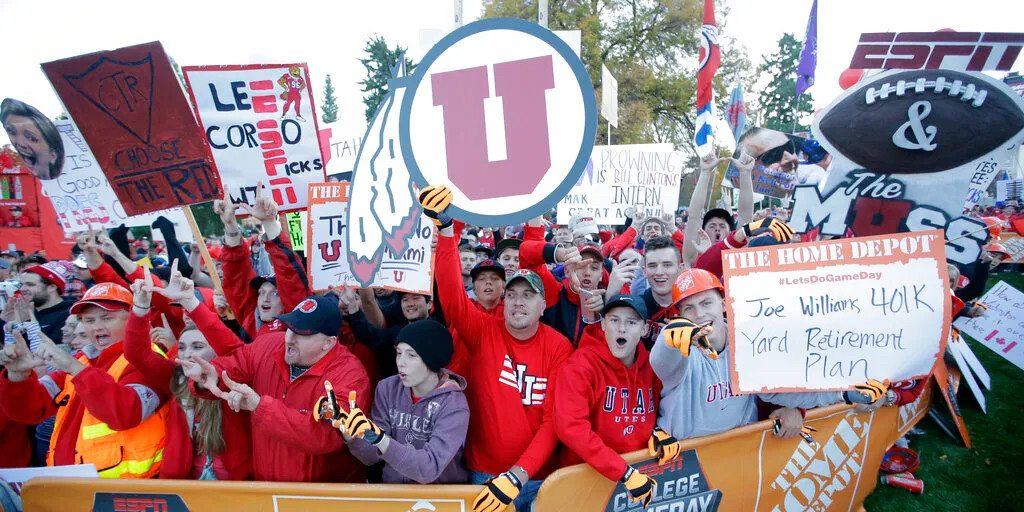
[{"x": 521, "y": 84}]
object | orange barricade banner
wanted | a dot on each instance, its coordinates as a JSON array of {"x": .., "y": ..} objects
[{"x": 747, "y": 468}]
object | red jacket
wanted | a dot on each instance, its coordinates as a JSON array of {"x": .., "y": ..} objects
[
  {"x": 627, "y": 240},
  {"x": 287, "y": 444},
  {"x": 158, "y": 371},
  {"x": 243, "y": 299},
  {"x": 602, "y": 407},
  {"x": 711, "y": 259},
  {"x": 113, "y": 403},
  {"x": 511, "y": 421},
  {"x": 15, "y": 445}
]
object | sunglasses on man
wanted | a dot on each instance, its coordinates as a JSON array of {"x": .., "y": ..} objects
[{"x": 774, "y": 155}]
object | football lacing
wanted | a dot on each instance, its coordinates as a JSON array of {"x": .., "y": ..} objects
[{"x": 955, "y": 88}]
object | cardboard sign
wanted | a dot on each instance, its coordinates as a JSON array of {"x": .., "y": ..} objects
[
  {"x": 130, "y": 108},
  {"x": 967, "y": 51},
  {"x": 609, "y": 97},
  {"x": 326, "y": 249},
  {"x": 980, "y": 180},
  {"x": 505, "y": 161},
  {"x": 966, "y": 371},
  {"x": 82, "y": 196},
  {"x": 1010, "y": 190},
  {"x": 1014, "y": 245},
  {"x": 343, "y": 141},
  {"x": 1001, "y": 328},
  {"x": 783, "y": 161},
  {"x": 261, "y": 125},
  {"x": 829, "y": 315},
  {"x": 619, "y": 177},
  {"x": 296, "y": 222},
  {"x": 897, "y": 138}
]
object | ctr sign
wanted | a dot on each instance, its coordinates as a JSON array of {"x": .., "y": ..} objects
[{"x": 503, "y": 112}]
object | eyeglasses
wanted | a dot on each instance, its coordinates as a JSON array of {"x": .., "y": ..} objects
[{"x": 775, "y": 154}]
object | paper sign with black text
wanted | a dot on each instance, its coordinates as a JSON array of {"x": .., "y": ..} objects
[
  {"x": 624, "y": 176},
  {"x": 82, "y": 196},
  {"x": 261, "y": 125},
  {"x": 829, "y": 315},
  {"x": 133, "y": 114},
  {"x": 326, "y": 250},
  {"x": 1001, "y": 328}
]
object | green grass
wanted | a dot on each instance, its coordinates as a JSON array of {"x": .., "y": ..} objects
[{"x": 986, "y": 476}]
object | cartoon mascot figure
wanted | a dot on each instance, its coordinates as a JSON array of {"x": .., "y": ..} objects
[{"x": 294, "y": 84}]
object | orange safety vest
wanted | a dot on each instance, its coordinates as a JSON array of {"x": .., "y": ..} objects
[{"x": 132, "y": 453}]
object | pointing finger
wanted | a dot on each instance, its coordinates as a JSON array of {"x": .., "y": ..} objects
[{"x": 167, "y": 325}]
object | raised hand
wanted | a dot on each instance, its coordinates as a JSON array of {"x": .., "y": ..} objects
[
  {"x": 710, "y": 162},
  {"x": 203, "y": 373},
  {"x": 105, "y": 244},
  {"x": 179, "y": 289},
  {"x": 241, "y": 397},
  {"x": 142, "y": 293},
  {"x": 226, "y": 210},
  {"x": 348, "y": 299},
  {"x": 744, "y": 164},
  {"x": 163, "y": 336},
  {"x": 18, "y": 359},
  {"x": 702, "y": 243},
  {"x": 54, "y": 356},
  {"x": 357, "y": 424},
  {"x": 435, "y": 201},
  {"x": 681, "y": 334}
]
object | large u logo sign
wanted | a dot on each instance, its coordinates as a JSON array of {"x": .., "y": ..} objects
[{"x": 521, "y": 84}]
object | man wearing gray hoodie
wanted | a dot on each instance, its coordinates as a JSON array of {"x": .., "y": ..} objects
[
  {"x": 696, "y": 397},
  {"x": 419, "y": 418}
]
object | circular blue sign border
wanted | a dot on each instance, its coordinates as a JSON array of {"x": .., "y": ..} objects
[{"x": 589, "y": 111}]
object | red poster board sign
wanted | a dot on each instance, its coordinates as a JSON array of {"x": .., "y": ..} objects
[{"x": 134, "y": 116}]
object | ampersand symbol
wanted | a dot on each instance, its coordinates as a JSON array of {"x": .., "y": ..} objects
[{"x": 922, "y": 136}]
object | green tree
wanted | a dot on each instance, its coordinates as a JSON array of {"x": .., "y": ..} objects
[
  {"x": 651, "y": 47},
  {"x": 378, "y": 65},
  {"x": 330, "y": 107},
  {"x": 778, "y": 99}
]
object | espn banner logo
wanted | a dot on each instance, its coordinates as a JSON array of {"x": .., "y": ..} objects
[
  {"x": 118, "y": 502},
  {"x": 964, "y": 51}
]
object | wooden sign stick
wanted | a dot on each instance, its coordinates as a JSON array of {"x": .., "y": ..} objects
[{"x": 211, "y": 266}]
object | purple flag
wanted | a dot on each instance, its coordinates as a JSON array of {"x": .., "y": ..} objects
[{"x": 809, "y": 56}]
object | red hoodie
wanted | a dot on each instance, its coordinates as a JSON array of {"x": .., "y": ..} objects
[
  {"x": 238, "y": 273},
  {"x": 602, "y": 407},
  {"x": 511, "y": 421}
]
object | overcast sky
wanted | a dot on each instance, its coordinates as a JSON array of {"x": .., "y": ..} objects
[{"x": 329, "y": 35}]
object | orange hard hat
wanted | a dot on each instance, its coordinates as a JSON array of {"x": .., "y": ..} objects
[
  {"x": 997, "y": 247},
  {"x": 693, "y": 281},
  {"x": 995, "y": 226},
  {"x": 109, "y": 296}
]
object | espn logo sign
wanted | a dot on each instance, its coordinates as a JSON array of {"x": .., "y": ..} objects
[
  {"x": 118, "y": 502},
  {"x": 965, "y": 51}
]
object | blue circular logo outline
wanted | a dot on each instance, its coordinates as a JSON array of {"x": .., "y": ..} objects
[{"x": 589, "y": 111}]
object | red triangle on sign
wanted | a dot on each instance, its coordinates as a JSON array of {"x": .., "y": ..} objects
[{"x": 121, "y": 90}]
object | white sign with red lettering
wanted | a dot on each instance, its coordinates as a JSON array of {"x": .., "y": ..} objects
[
  {"x": 1001, "y": 327},
  {"x": 261, "y": 125},
  {"x": 410, "y": 269}
]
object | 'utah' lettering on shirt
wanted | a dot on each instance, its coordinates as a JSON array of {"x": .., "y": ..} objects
[
  {"x": 719, "y": 391},
  {"x": 628, "y": 406},
  {"x": 532, "y": 389}
]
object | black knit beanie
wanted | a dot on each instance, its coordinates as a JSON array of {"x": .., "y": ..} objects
[{"x": 430, "y": 340}]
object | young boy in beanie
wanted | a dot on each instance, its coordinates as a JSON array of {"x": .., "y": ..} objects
[{"x": 419, "y": 418}]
